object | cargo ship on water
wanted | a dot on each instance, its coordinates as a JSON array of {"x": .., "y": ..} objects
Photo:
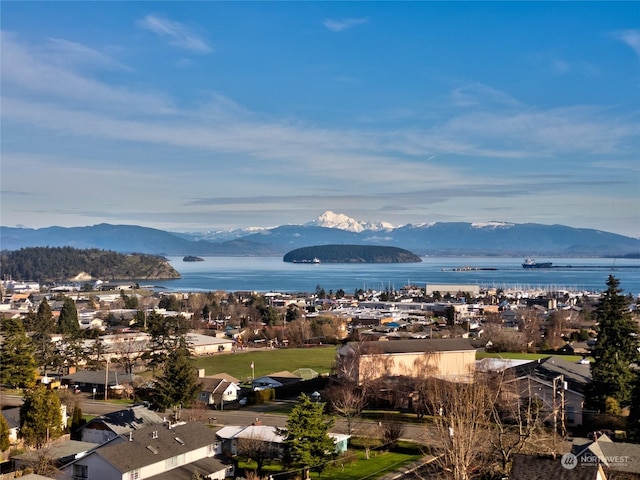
[{"x": 531, "y": 263}]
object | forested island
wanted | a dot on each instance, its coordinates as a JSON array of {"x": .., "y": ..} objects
[
  {"x": 351, "y": 254},
  {"x": 60, "y": 264},
  {"x": 192, "y": 258}
]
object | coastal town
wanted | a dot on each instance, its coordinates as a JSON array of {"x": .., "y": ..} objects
[{"x": 389, "y": 352}]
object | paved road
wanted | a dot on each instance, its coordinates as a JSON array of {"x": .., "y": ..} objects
[{"x": 246, "y": 416}]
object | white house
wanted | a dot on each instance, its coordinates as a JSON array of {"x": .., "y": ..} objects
[
  {"x": 207, "y": 345},
  {"x": 158, "y": 452},
  {"x": 230, "y": 436},
  {"x": 218, "y": 391},
  {"x": 274, "y": 380}
]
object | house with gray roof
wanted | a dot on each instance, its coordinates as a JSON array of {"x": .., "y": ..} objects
[
  {"x": 275, "y": 380},
  {"x": 108, "y": 426},
  {"x": 60, "y": 453},
  {"x": 617, "y": 458},
  {"x": 87, "y": 380},
  {"x": 157, "y": 452},
  {"x": 531, "y": 467},
  {"x": 216, "y": 391},
  {"x": 12, "y": 417},
  {"x": 556, "y": 382}
]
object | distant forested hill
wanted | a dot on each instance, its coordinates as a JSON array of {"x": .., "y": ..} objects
[
  {"x": 48, "y": 264},
  {"x": 351, "y": 254}
]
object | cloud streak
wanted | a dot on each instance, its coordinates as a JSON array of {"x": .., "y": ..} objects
[
  {"x": 177, "y": 34},
  {"x": 631, "y": 38},
  {"x": 343, "y": 24}
]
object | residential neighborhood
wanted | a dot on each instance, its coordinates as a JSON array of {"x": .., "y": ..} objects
[{"x": 392, "y": 352}]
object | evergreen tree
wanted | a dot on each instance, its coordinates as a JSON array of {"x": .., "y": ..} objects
[
  {"x": 77, "y": 421},
  {"x": 307, "y": 444},
  {"x": 166, "y": 334},
  {"x": 68, "y": 322},
  {"x": 633, "y": 420},
  {"x": 18, "y": 364},
  {"x": 616, "y": 348},
  {"x": 44, "y": 318},
  {"x": 5, "y": 441},
  {"x": 40, "y": 417},
  {"x": 179, "y": 384}
]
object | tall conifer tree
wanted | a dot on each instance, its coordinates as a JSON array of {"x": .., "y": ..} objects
[
  {"x": 307, "y": 444},
  {"x": 40, "y": 417},
  {"x": 68, "y": 321},
  {"x": 179, "y": 384},
  {"x": 616, "y": 348},
  {"x": 17, "y": 363}
]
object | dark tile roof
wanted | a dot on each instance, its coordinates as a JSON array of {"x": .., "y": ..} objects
[
  {"x": 617, "y": 456},
  {"x": 213, "y": 385},
  {"x": 98, "y": 377},
  {"x": 126, "y": 455},
  {"x": 414, "y": 346},
  {"x": 12, "y": 416},
  {"x": 577, "y": 376},
  {"x": 128, "y": 419},
  {"x": 225, "y": 376},
  {"x": 58, "y": 451},
  {"x": 186, "y": 472},
  {"x": 529, "y": 467}
]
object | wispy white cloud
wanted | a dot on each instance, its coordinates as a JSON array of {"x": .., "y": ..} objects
[
  {"x": 29, "y": 72},
  {"x": 630, "y": 37},
  {"x": 235, "y": 150},
  {"x": 72, "y": 53},
  {"x": 177, "y": 34},
  {"x": 475, "y": 94},
  {"x": 343, "y": 24}
]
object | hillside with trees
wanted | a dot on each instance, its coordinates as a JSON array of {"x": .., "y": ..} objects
[
  {"x": 56, "y": 264},
  {"x": 351, "y": 254}
]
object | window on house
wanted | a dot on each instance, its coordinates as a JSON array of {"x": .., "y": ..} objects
[
  {"x": 174, "y": 461},
  {"x": 80, "y": 471},
  {"x": 134, "y": 474},
  {"x": 171, "y": 462}
]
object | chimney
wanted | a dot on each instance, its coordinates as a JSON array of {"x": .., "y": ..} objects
[
  {"x": 131, "y": 436},
  {"x": 154, "y": 434}
]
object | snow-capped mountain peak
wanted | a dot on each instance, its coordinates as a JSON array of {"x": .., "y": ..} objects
[
  {"x": 492, "y": 225},
  {"x": 340, "y": 221}
]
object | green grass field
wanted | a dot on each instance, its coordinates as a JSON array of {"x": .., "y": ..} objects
[{"x": 320, "y": 359}]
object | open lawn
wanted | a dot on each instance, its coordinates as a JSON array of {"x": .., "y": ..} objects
[
  {"x": 320, "y": 359},
  {"x": 238, "y": 364},
  {"x": 354, "y": 465}
]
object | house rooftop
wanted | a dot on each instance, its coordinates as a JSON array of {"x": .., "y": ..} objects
[
  {"x": 530, "y": 467},
  {"x": 59, "y": 451},
  {"x": 128, "y": 419},
  {"x": 187, "y": 472},
  {"x": 414, "y": 346},
  {"x": 577, "y": 376},
  {"x": 155, "y": 444}
]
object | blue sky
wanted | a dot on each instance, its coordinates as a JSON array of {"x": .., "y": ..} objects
[{"x": 191, "y": 116}]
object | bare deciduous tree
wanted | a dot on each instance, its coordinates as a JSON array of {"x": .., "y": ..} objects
[
  {"x": 463, "y": 411},
  {"x": 346, "y": 400},
  {"x": 258, "y": 449}
]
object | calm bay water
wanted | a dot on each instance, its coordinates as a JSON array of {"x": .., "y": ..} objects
[{"x": 264, "y": 274}]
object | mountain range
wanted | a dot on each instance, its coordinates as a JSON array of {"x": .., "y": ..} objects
[{"x": 440, "y": 238}]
